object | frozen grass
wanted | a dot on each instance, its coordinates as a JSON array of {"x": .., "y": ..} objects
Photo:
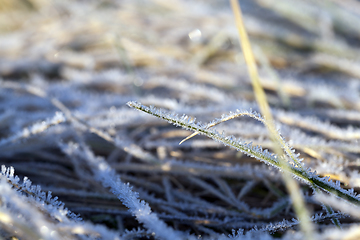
[{"x": 68, "y": 71}]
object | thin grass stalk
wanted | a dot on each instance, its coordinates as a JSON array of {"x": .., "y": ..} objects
[
  {"x": 260, "y": 96},
  {"x": 291, "y": 185},
  {"x": 258, "y": 89}
]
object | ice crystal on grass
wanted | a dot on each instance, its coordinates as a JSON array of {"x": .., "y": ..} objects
[
  {"x": 35, "y": 192},
  {"x": 307, "y": 176},
  {"x": 29, "y": 202},
  {"x": 34, "y": 129},
  {"x": 109, "y": 179}
]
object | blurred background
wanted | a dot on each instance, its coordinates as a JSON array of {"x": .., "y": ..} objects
[{"x": 295, "y": 42}]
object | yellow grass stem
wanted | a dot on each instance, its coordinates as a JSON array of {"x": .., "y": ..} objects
[{"x": 291, "y": 184}]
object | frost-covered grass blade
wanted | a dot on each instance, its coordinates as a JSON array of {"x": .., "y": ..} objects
[{"x": 310, "y": 177}]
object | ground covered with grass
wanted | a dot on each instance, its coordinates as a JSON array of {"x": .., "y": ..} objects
[{"x": 69, "y": 68}]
